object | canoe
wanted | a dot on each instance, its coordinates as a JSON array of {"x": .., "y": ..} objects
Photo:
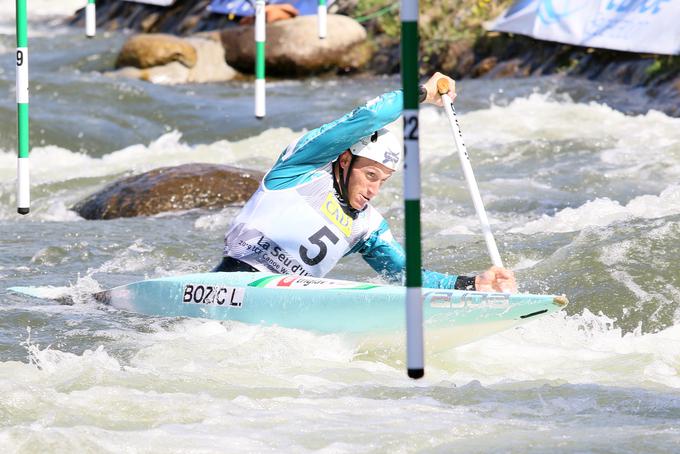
[{"x": 372, "y": 312}]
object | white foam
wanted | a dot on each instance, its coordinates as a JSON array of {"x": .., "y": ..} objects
[
  {"x": 216, "y": 221},
  {"x": 598, "y": 212},
  {"x": 186, "y": 385},
  {"x": 524, "y": 263},
  {"x": 541, "y": 117},
  {"x": 55, "y": 164},
  {"x": 620, "y": 138},
  {"x": 39, "y": 9},
  {"x": 150, "y": 260},
  {"x": 583, "y": 348},
  {"x": 603, "y": 211},
  {"x": 639, "y": 146},
  {"x": 78, "y": 293},
  {"x": 136, "y": 257},
  {"x": 58, "y": 212},
  {"x": 63, "y": 365}
]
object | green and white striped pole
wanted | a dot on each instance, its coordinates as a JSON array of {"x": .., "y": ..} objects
[
  {"x": 321, "y": 15},
  {"x": 260, "y": 38},
  {"x": 90, "y": 19},
  {"x": 23, "y": 185},
  {"x": 409, "y": 76}
]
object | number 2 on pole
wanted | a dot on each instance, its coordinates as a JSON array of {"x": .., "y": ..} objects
[{"x": 411, "y": 126}]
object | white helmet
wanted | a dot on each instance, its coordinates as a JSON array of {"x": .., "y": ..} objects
[{"x": 382, "y": 146}]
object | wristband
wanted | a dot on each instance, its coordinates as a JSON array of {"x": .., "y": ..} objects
[{"x": 464, "y": 283}]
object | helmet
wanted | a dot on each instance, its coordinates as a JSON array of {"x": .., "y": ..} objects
[{"x": 382, "y": 146}]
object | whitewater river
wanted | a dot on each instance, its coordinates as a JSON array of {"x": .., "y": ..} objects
[{"x": 584, "y": 200}]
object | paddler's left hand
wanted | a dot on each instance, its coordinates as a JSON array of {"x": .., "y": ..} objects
[
  {"x": 496, "y": 279},
  {"x": 433, "y": 96}
]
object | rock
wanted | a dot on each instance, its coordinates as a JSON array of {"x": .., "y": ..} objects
[
  {"x": 484, "y": 66},
  {"x": 170, "y": 74},
  {"x": 355, "y": 58},
  {"x": 149, "y": 21},
  {"x": 155, "y": 49},
  {"x": 459, "y": 58},
  {"x": 387, "y": 57},
  {"x": 293, "y": 47},
  {"x": 633, "y": 72},
  {"x": 510, "y": 68},
  {"x": 666, "y": 96},
  {"x": 171, "y": 189},
  {"x": 189, "y": 23},
  {"x": 209, "y": 66}
]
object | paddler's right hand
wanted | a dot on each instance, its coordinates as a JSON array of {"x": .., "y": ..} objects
[
  {"x": 433, "y": 96},
  {"x": 496, "y": 279}
]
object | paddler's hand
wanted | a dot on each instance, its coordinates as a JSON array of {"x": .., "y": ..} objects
[
  {"x": 433, "y": 96},
  {"x": 496, "y": 279}
]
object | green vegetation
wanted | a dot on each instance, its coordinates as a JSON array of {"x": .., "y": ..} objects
[
  {"x": 440, "y": 20},
  {"x": 663, "y": 66},
  {"x": 379, "y": 16},
  {"x": 441, "y": 23}
]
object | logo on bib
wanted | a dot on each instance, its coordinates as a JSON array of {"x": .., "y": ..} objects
[{"x": 333, "y": 211}]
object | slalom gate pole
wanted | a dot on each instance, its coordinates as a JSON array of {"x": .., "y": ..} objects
[
  {"x": 90, "y": 19},
  {"x": 260, "y": 39},
  {"x": 443, "y": 89},
  {"x": 409, "y": 76},
  {"x": 23, "y": 182},
  {"x": 321, "y": 14}
]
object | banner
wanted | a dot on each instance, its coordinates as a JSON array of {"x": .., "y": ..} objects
[
  {"x": 630, "y": 25},
  {"x": 247, "y": 8}
]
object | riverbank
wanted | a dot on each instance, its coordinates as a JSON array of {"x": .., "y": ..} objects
[{"x": 453, "y": 40}]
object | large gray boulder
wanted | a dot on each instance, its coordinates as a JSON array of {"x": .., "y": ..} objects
[
  {"x": 293, "y": 47},
  {"x": 171, "y": 189}
]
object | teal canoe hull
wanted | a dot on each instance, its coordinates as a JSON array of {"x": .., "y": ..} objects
[{"x": 321, "y": 305}]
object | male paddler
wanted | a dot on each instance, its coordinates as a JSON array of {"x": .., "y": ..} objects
[{"x": 313, "y": 206}]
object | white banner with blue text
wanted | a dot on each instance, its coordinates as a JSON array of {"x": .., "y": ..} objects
[{"x": 630, "y": 25}]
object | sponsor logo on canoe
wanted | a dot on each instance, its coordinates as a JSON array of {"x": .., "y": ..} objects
[
  {"x": 302, "y": 282},
  {"x": 470, "y": 300},
  {"x": 213, "y": 295},
  {"x": 287, "y": 281},
  {"x": 334, "y": 212}
]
